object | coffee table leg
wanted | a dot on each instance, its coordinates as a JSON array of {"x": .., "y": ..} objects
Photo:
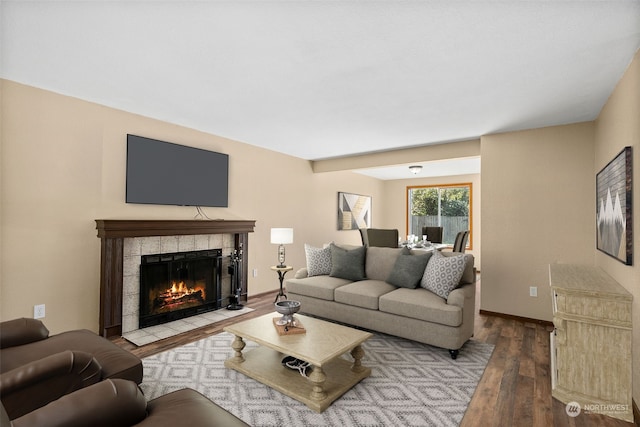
[
  {"x": 317, "y": 378},
  {"x": 358, "y": 354},
  {"x": 238, "y": 345}
]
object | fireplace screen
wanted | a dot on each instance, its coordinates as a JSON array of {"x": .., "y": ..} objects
[{"x": 178, "y": 285}]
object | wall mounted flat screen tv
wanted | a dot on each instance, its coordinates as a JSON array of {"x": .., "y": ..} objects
[{"x": 163, "y": 173}]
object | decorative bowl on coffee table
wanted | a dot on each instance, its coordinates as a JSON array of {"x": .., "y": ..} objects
[{"x": 287, "y": 308}]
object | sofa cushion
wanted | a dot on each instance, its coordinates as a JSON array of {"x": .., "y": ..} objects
[
  {"x": 318, "y": 260},
  {"x": 347, "y": 264},
  {"x": 364, "y": 293},
  {"x": 408, "y": 270},
  {"x": 443, "y": 273},
  {"x": 380, "y": 261},
  {"x": 421, "y": 304},
  {"x": 321, "y": 287}
]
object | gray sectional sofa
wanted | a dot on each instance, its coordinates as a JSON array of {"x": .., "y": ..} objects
[{"x": 382, "y": 294}]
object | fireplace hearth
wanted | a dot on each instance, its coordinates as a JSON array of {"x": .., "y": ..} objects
[{"x": 178, "y": 285}]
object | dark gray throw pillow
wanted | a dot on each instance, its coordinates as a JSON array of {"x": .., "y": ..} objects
[
  {"x": 348, "y": 264},
  {"x": 408, "y": 270}
]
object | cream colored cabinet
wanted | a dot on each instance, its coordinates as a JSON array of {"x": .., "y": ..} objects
[{"x": 591, "y": 342}]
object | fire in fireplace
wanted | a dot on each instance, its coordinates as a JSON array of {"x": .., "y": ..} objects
[{"x": 178, "y": 285}]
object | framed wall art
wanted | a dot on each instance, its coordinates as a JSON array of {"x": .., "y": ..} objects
[
  {"x": 354, "y": 211},
  {"x": 614, "y": 219}
]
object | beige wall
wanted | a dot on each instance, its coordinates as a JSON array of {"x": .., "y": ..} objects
[
  {"x": 618, "y": 126},
  {"x": 395, "y": 208},
  {"x": 63, "y": 165},
  {"x": 537, "y": 208}
]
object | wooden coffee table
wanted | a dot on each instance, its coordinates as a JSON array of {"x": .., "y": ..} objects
[{"x": 321, "y": 345}]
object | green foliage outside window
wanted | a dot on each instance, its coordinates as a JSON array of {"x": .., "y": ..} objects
[
  {"x": 445, "y": 206},
  {"x": 454, "y": 201}
]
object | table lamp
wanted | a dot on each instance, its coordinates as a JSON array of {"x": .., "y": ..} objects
[{"x": 281, "y": 236}]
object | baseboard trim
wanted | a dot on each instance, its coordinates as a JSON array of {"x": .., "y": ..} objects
[
  {"x": 514, "y": 317},
  {"x": 636, "y": 413},
  {"x": 262, "y": 294}
]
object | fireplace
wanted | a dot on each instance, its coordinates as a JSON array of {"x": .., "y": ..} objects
[
  {"x": 178, "y": 285},
  {"x": 123, "y": 242}
]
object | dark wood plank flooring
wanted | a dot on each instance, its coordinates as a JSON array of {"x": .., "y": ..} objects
[{"x": 515, "y": 389}]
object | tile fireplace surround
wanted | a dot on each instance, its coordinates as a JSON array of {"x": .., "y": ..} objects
[{"x": 123, "y": 242}]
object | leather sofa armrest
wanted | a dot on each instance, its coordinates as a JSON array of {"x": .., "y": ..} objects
[
  {"x": 190, "y": 408},
  {"x": 109, "y": 403},
  {"x": 302, "y": 273},
  {"x": 37, "y": 383},
  {"x": 21, "y": 331}
]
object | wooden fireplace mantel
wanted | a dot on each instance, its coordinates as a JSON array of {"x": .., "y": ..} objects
[
  {"x": 112, "y": 233},
  {"x": 110, "y": 228}
]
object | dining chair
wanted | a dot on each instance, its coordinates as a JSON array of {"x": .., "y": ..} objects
[
  {"x": 460, "y": 244},
  {"x": 434, "y": 234},
  {"x": 382, "y": 237}
]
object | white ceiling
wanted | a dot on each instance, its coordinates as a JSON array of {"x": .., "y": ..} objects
[
  {"x": 323, "y": 79},
  {"x": 449, "y": 167}
]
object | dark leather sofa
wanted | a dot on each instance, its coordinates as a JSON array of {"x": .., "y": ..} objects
[
  {"x": 26, "y": 340},
  {"x": 117, "y": 402},
  {"x": 78, "y": 378}
]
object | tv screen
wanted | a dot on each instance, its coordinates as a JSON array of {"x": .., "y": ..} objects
[{"x": 163, "y": 173}]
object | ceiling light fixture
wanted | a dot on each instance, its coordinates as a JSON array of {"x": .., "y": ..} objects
[{"x": 415, "y": 169}]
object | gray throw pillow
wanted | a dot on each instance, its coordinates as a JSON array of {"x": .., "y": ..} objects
[
  {"x": 348, "y": 264},
  {"x": 443, "y": 273},
  {"x": 408, "y": 270},
  {"x": 318, "y": 260}
]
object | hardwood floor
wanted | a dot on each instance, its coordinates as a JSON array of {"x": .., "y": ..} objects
[{"x": 515, "y": 389}]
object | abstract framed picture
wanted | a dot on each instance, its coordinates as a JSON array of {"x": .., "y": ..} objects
[
  {"x": 614, "y": 219},
  {"x": 354, "y": 211}
]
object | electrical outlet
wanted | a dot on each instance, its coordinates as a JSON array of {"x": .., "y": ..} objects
[
  {"x": 38, "y": 311},
  {"x": 533, "y": 291},
  {"x": 255, "y": 272}
]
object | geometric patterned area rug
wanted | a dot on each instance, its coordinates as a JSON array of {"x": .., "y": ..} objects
[{"x": 411, "y": 384}]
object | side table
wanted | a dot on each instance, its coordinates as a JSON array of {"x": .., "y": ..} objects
[{"x": 281, "y": 272}]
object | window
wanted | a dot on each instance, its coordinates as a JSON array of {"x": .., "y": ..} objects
[{"x": 447, "y": 206}]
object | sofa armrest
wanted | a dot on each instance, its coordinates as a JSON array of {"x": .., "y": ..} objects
[
  {"x": 109, "y": 403},
  {"x": 21, "y": 331},
  {"x": 459, "y": 295},
  {"x": 37, "y": 383},
  {"x": 188, "y": 407},
  {"x": 302, "y": 273}
]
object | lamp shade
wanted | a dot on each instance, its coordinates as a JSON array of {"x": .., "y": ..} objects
[{"x": 281, "y": 236}]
